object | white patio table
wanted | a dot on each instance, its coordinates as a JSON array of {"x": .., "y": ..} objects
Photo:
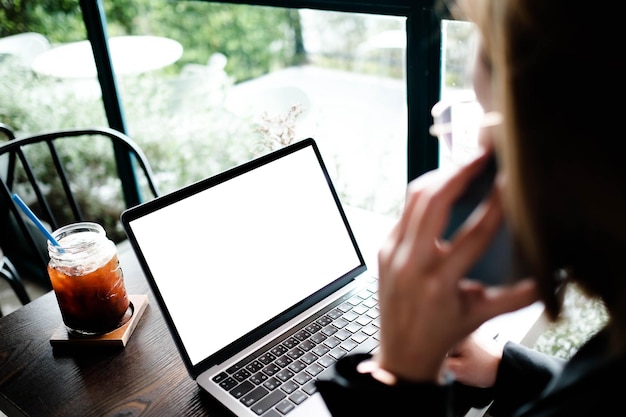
[{"x": 130, "y": 55}]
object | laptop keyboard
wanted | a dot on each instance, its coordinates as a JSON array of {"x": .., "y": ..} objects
[{"x": 279, "y": 377}]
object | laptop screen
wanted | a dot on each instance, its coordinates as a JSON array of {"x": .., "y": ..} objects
[{"x": 232, "y": 252}]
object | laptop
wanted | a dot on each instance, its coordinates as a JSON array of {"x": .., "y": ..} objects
[{"x": 260, "y": 280}]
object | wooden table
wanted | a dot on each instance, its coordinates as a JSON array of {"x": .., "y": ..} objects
[{"x": 146, "y": 378}]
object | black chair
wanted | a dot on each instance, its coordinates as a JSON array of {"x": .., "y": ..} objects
[
  {"x": 66, "y": 177},
  {"x": 10, "y": 274},
  {"x": 7, "y": 269}
]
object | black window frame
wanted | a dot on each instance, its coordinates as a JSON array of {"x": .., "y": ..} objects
[{"x": 423, "y": 61}]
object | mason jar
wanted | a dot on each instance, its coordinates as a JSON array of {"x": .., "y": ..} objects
[{"x": 87, "y": 279}]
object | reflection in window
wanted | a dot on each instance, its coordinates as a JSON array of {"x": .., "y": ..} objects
[{"x": 458, "y": 52}]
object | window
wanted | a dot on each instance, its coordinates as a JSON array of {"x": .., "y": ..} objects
[
  {"x": 335, "y": 76},
  {"x": 359, "y": 77}
]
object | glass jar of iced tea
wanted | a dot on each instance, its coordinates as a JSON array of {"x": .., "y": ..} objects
[{"x": 87, "y": 279}]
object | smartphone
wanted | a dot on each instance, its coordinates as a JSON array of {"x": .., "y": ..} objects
[{"x": 498, "y": 263}]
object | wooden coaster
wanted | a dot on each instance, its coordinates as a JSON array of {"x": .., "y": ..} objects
[{"x": 117, "y": 338}]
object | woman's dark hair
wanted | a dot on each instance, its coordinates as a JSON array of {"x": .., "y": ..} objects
[{"x": 556, "y": 71}]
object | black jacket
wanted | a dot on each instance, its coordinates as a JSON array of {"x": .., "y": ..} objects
[{"x": 528, "y": 384}]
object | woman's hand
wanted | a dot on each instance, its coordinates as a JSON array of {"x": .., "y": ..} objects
[
  {"x": 426, "y": 306},
  {"x": 475, "y": 360}
]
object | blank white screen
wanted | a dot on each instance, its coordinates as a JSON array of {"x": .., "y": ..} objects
[{"x": 231, "y": 257}]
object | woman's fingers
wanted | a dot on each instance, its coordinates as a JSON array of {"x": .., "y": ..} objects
[
  {"x": 475, "y": 360},
  {"x": 482, "y": 303},
  {"x": 416, "y": 237},
  {"x": 505, "y": 299},
  {"x": 433, "y": 204}
]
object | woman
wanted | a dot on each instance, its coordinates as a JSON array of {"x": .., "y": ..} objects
[{"x": 561, "y": 186}]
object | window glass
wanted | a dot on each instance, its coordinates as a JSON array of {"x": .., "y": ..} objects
[
  {"x": 205, "y": 86},
  {"x": 254, "y": 78}
]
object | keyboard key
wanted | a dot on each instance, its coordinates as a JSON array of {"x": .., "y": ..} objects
[
  {"x": 345, "y": 307},
  {"x": 295, "y": 353},
  {"x": 284, "y": 407},
  {"x": 289, "y": 387},
  {"x": 318, "y": 337},
  {"x": 241, "y": 375},
  {"x": 314, "y": 369},
  {"x": 370, "y": 302},
  {"x": 313, "y": 328},
  {"x": 338, "y": 353},
  {"x": 290, "y": 342},
  {"x": 302, "y": 378},
  {"x": 228, "y": 383},
  {"x": 271, "y": 369},
  {"x": 268, "y": 402},
  {"x": 356, "y": 300},
  {"x": 335, "y": 314},
  {"x": 350, "y": 316},
  {"x": 254, "y": 366},
  {"x": 353, "y": 327},
  {"x": 308, "y": 358},
  {"x": 306, "y": 345},
  {"x": 266, "y": 358},
  {"x": 340, "y": 323},
  {"x": 297, "y": 366},
  {"x": 297, "y": 397},
  {"x": 254, "y": 396},
  {"x": 272, "y": 383},
  {"x": 309, "y": 388},
  {"x": 348, "y": 345},
  {"x": 284, "y": 375},
  {"x": 283, "y": 361},
  {"x": 367, "y": 346},
  {"x": 258, "y": 378},
  {"x": 323, "y": 321},
  {"x": 278, "y": 350},
  {"x": 326, "y": 360},
  {"x": 331, "y": 342},
  {"x": 369, "y": 330},
  {"x": 343, "y": 334},
  {"x": 364, "y": 320},
  {"x": 242, "y": 389},
  {"x": 362, "y": 308},
  {"x": 302, "y": 335},
  {"x": 365, "y": 294},
  {"x": 359, "y": 337},
  {"x": 329, "y": 330},
  {"x": 320, "y": 350},
  {"x": 220, "y": 377}
]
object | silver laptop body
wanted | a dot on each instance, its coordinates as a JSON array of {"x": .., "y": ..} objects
[{"x": 260, "y": 280}]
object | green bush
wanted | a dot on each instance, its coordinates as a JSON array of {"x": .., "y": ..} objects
[{"x": 580, "y": 319}]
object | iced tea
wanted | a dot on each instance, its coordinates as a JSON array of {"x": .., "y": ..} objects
[{"x": 87, "y": 280}]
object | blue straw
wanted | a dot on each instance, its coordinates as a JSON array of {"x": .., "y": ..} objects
[{"x": 34, "y": 218}]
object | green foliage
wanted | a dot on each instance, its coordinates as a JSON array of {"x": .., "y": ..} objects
[
  {"x": 253, "y": 38},
  {"x": 31, "y": 104},
  {"x": 40, "y": 16},
  {"x": 580, "y": 319}
]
